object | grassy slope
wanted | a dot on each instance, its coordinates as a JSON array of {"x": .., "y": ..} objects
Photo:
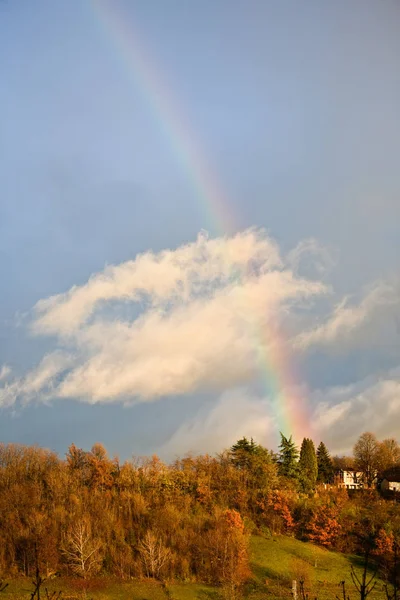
[{"x": 274, "y": 562}]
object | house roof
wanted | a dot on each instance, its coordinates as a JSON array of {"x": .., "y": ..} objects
[
  {"x": 392, "y": 474},
  {"x": 349, "y": 471}
]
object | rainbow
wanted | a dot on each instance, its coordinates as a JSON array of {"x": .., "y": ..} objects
[
  {"x": 290, "y": 413},
  {"x": 151, "y": 83},
  {"x": 290, "y": 409}
]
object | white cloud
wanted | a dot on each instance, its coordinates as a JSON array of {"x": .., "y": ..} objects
[
  {"x": 208, "y": 343},
  {"x": 169, "y": 276},
  {"x": 311, "y": 258},
  {"x": 337, "y": 417},
  {"x": 4, "y": 372},
  {"x": 345, "y": 318},
  {"x": 40, "y": 382},
  {"x": 327, "y": 416},
  {"x": 341, "y": 414},
  {"x": 236, "y": 413},
  {"x": 193, "y": 318}
]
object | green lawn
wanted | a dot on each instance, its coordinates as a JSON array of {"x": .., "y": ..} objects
[{"x": 274, "y": 562}]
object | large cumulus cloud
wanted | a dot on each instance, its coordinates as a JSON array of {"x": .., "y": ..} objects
[{"x": 194, "y": 318}]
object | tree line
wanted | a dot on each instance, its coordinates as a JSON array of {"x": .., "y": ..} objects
[
  {"x": 190, "y": 520},
  {"x": 371, "y": 458}
]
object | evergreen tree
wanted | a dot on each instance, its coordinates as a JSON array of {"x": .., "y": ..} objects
[
  {"x": 325, "y": 464},
  {"x": 288, "y": 456},
  {"x": 245, "y": 445},
  {"x": 242, "y": 451},
  {"x": 308, "y": 466},
  {"x": 259, "y": 470}
]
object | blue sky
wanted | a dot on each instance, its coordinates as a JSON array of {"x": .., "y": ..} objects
[{"x": 295, "y": 108}]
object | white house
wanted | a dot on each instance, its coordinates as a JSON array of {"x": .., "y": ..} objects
[
  {"x": 391, "y": 480},
  {"x": 351, "y": 479}
]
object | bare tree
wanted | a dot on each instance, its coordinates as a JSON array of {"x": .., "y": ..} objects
[
  {"x": 154, "y": 554},
  {"x": 81, "y": 550},
  {"x": 366, "y": 454},
  {"x": 344, "y": 595},
  {"x": 364, "y": 584}
]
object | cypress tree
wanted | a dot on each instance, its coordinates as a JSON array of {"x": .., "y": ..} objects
[
  {"x": 288, "y": 456},
  {"x": 325, "y": 464},
  {"x": 308, "y": 466}
]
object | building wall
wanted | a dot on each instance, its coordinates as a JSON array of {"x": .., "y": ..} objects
[
  {"x": 352, "y": 480},
  {"x": 390, "y": 485}
]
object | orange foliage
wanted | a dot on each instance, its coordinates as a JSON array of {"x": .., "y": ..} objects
[
  {"x": 279, "y": 502},
  {"x": 234, "y": 520},
  {"x": 384, "y": 543},
  {"x": 204, "y": 494},
  {"x": 324, "y": 526}
]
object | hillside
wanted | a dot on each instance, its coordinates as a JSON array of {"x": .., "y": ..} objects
[{"x": 274, "y": 563}]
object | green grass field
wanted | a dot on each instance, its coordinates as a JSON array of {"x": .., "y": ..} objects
[{"x": 274, "y": 563}]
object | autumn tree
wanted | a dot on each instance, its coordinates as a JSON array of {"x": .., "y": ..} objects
[
  {"x": 388, "y": 455},
  {"x": 236, "y": 568},
  {"x": 276, "y": 511},
  {"x": 324, "y": 526},
  {"x": 227, "y": 550},
  {"x": 366, "y": 455},
  {"x": 100, "y": 468},
  {"x": 78, "y": 464},
  {"x": 154, "y": 554},
  {"x": 308, "y": 467},
  {"x": 82, "y": 550},
  {"x": 258, "y": 470},
  {"x": 384, "y": 542},
  {"x": 343, "y": 463}
]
